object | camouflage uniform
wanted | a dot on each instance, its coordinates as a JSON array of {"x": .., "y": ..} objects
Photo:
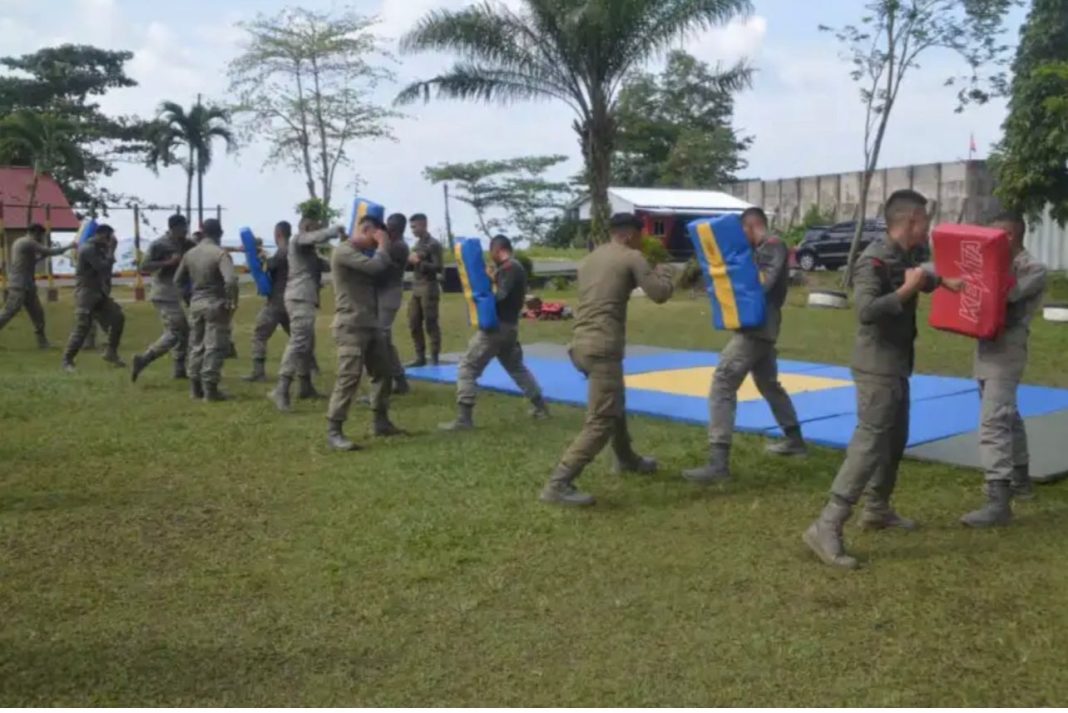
[
  {"x": 210, "y": 269},
  {"x": 606, "y": 280},
  {"x": 390, "y": 298},
  {"x": 21, "y": 287},
  {"x": 424, "y": 304},
  {"x": 92, "y": 300},
  {"x": 302, "y": 299},
  {"x": 273, "y": 313},
  {"x": 167, "y": 299}
]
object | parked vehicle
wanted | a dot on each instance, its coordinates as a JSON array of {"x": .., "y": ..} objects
[{"x": 828, "y": 246}]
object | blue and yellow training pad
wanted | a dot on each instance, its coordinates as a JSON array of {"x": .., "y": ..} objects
[{"x": 674, "y": 385}]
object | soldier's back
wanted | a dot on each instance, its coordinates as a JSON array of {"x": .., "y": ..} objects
[
  {"x": 203, "y": 265},
  {"x": 23, "y": 262},
  {"x": 605, "y": 283}
]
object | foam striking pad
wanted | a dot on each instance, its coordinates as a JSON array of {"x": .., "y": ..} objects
[
  {"x": 982, "y": 257},
  {"x": 477, "y": 284},
  {"x": 255, "y": 267},
  {"x": 362, "y": 207},
  {"x": 86, "y": 231},
  {"x": 731, "y": 275}
]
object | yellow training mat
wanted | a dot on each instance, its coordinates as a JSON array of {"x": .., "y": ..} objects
[{"x": 697, "y": 381}]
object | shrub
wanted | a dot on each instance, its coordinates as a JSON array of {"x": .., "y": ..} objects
[
  {"x": 654, "y": 251},
  {"x": 526, "y": 262},
  {"x": 691, "y": 277}
]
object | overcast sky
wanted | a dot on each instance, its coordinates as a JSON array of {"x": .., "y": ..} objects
[{"x": 803, "y": 110}]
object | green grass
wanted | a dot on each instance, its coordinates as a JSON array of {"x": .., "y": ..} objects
[{"x": 158, "y": 551}]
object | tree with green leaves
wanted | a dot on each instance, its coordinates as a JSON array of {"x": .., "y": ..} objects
[
  {"x": 64, "y": 82},
  {"x": 302, "y": 83},
  {"x": 42, "y": 138},
  {"x": 1031, "y": 161},
  {"x": 675, "y": 129},
  {"x": 886, "y": 47},
  {"x": 576, "y": 51},
  {"x": 192, "y": 133},
  {"x": 511, "y": 192}
]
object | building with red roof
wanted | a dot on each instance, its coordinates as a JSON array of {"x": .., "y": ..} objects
[{"x": 15, "y": 185}]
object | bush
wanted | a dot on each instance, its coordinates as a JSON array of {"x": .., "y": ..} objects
[
  {"x": 813, "y": 217},
  {"x": 315, "y": 209},
  {"x": 566, "y": 233},
  {"x": 692, "y": 276},
  {"x": 523, "y": 259},
  {"x": 654, "y": 251},
  {"x": 560, "y": 283}
]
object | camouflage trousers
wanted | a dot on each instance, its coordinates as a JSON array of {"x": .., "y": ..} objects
[
  {"x": 425, "y": 310},
  {"x": 297, "y": 360},
  {"x": 878, "y": 444},
  {"x": 175, "y": 337},
  {"x": 271, "y": 316},
  {"x": 606, "y": 413},
  {"x": 359, "y": 348},
  {"x": 27, "y": 299},
  {"x": 503, "y": 345},
  {"x": 1002, "y": 434},
  {"x": 209, "y": 341},
  {"x": 105, "y": 311},
  {"x": 745, "y": 355}
]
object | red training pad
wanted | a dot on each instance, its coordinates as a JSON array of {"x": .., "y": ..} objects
[{"x": 982, "y": 257}]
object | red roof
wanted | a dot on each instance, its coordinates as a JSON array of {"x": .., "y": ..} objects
[{"x": 15, "y": 183}]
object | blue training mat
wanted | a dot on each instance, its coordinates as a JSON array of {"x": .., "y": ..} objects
[
  {"x": 255, "y": 267},
  {"x": 86, "y": 231}
]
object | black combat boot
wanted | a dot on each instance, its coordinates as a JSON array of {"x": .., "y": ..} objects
[
  {"x": 180, "y": 374},
  {"x": 307, "y": 390},
  {"x": 384, "y": 428},
  {"x": 998, "y": 508},
  {"x": 465, "y": 419},
  {"x": 212, "y": 393},
  {"x": 634, "y": 463},
  {"x": 539, "y": 410},
  {"x": 718, "y": 469},
  {"x": 280, "y": 395},
  {"x": 336, "y": 438},
  {"x": 139, "y": 364},
  {"x": 401, "y": 386},
  {"x": 196, "y": 389},
  {"x": 561, "y": 490},
  {"x": 112, "y": 357},
  {"x": 1023, "y": 488},
  {"x": 793, "y": 445},
  {"x": 259, "y": 373},
  {"x": 420, "y": 361}
]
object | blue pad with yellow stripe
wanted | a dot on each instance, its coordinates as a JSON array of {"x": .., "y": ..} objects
[
  {"x": 86, "y": 231},
  {"x": 477, "y": 284},
  {"x": 255, "y": 267},
  {"x": 361, "y": 208},
  {"x": 731, "y": 274}
]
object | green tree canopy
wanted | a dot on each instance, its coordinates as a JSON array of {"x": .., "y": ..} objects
[
  {"x": 675, "y": 130},
  {"x": 1031, "y": 162}
]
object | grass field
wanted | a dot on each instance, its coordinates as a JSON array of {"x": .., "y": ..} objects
[{"x": 159, "y": 551}]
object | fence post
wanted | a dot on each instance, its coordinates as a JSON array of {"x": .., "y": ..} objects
[
  {"x": 3, "y": 253},
  {"x": 53, "y": 293},
  {"x": 139, "y": 283}
]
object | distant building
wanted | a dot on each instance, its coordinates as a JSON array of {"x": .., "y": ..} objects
[
  {"x": 666, "y": 211},
  {"x": 50, "y": 205}
]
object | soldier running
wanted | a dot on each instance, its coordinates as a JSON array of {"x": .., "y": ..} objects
[
  {"x": 752, "y": 351},
  {"x": 163, "y": 258},
  {"x": 21, "y": 286},
  {"x": 999, "y": 368},
  {"x": 357, "y": 267},
  {"x": 501, "y": 343},
  {"x": 92, "y": 298},
  {"x": 423, "y": 306},
  {"x": 210, "y": 271},
  {"x": 605, "y": 282},
  {"x": 273, "y": 313},
  {"x": 887, "y": 283}
]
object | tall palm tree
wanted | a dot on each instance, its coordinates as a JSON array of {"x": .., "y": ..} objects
[
  {"x": 195, "y": 132},
  {"x": 576, "y": 51},
  {"x": 41, "y": 141}
]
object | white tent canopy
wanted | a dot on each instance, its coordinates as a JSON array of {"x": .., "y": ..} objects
[{"x": 666, "y": 201}]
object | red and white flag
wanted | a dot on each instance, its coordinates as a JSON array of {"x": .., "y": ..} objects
[{"x": 972, "y": 148}]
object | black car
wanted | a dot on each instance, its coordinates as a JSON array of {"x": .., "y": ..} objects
[{"x": 828, "y": 246}]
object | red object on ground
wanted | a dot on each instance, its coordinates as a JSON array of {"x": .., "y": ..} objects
[
  {"x": 982, "y": 257},
  {"x": 15, "y": 183}
]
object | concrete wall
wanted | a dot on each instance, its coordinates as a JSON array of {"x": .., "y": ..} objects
[{"x": 961, "y": 191}]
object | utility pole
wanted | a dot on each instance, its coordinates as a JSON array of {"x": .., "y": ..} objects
[{"x": 448, "y": 220}]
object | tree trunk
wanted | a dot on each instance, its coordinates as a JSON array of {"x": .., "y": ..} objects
[
  {"x": 200, "y": 196},
  {"x": 33, "y": 197},
  {"x": 189, "y": 186},
  {"x": 598, "y": 140}
]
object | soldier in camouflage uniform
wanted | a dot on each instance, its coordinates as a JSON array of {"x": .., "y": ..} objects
[
  {"x": 999, "y": 368},
  {"x": 357, "y": 268},
  {"x": 752, "y": 351},
  {"x": 423, "y": 306},
  {"x": 92, "y": 298},
  {"x": 210, "y": 270},
  {"x": 391, "y": 296},
  {"x": 605, "y": 282},
  {"x": 162, "y": 260},
  {"x": 501, "y": 343},
  {"x": 273, "y": 313},
  {"x": 302, "y": 301},
  {"x": 21, "y": 286},
  {"x": 887, "y": 283}
]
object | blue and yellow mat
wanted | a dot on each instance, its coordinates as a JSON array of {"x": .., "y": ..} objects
[{"x": 674, "y": 385}]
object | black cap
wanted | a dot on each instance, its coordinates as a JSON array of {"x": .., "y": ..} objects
[{"x": 625, "y": 220}]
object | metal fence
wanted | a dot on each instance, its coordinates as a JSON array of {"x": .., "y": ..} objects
[{"x": 1048, "y": 242}]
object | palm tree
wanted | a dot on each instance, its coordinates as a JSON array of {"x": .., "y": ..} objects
[
  {"x": 194, "y": 131},
  {"x": 576, "y": 51},
  {"x": 40, "y": 140}
]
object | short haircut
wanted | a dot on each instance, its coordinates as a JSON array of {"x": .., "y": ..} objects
[
  {"x": 212, "y": 228},
  {"x": 377, "y": 222},
  {"x": 105, "y": 228},
  {"x": 417, "y": 216},
  {"x": 624, "y": 220},
  {"x": 37, "y": 229},
  {"x": 285, "y": 227},
  {"x": 756, "y": 212},
  {"x": 177, "y": 221},
  {"x": 1013, "y": 218},
  {"x": 902, "y": 204},
  {"x": 501, "y": 242},
  {"x": 398, "y": 222}
]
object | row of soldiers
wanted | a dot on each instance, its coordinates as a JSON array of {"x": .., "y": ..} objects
[{"x": 367, "y": 271}]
